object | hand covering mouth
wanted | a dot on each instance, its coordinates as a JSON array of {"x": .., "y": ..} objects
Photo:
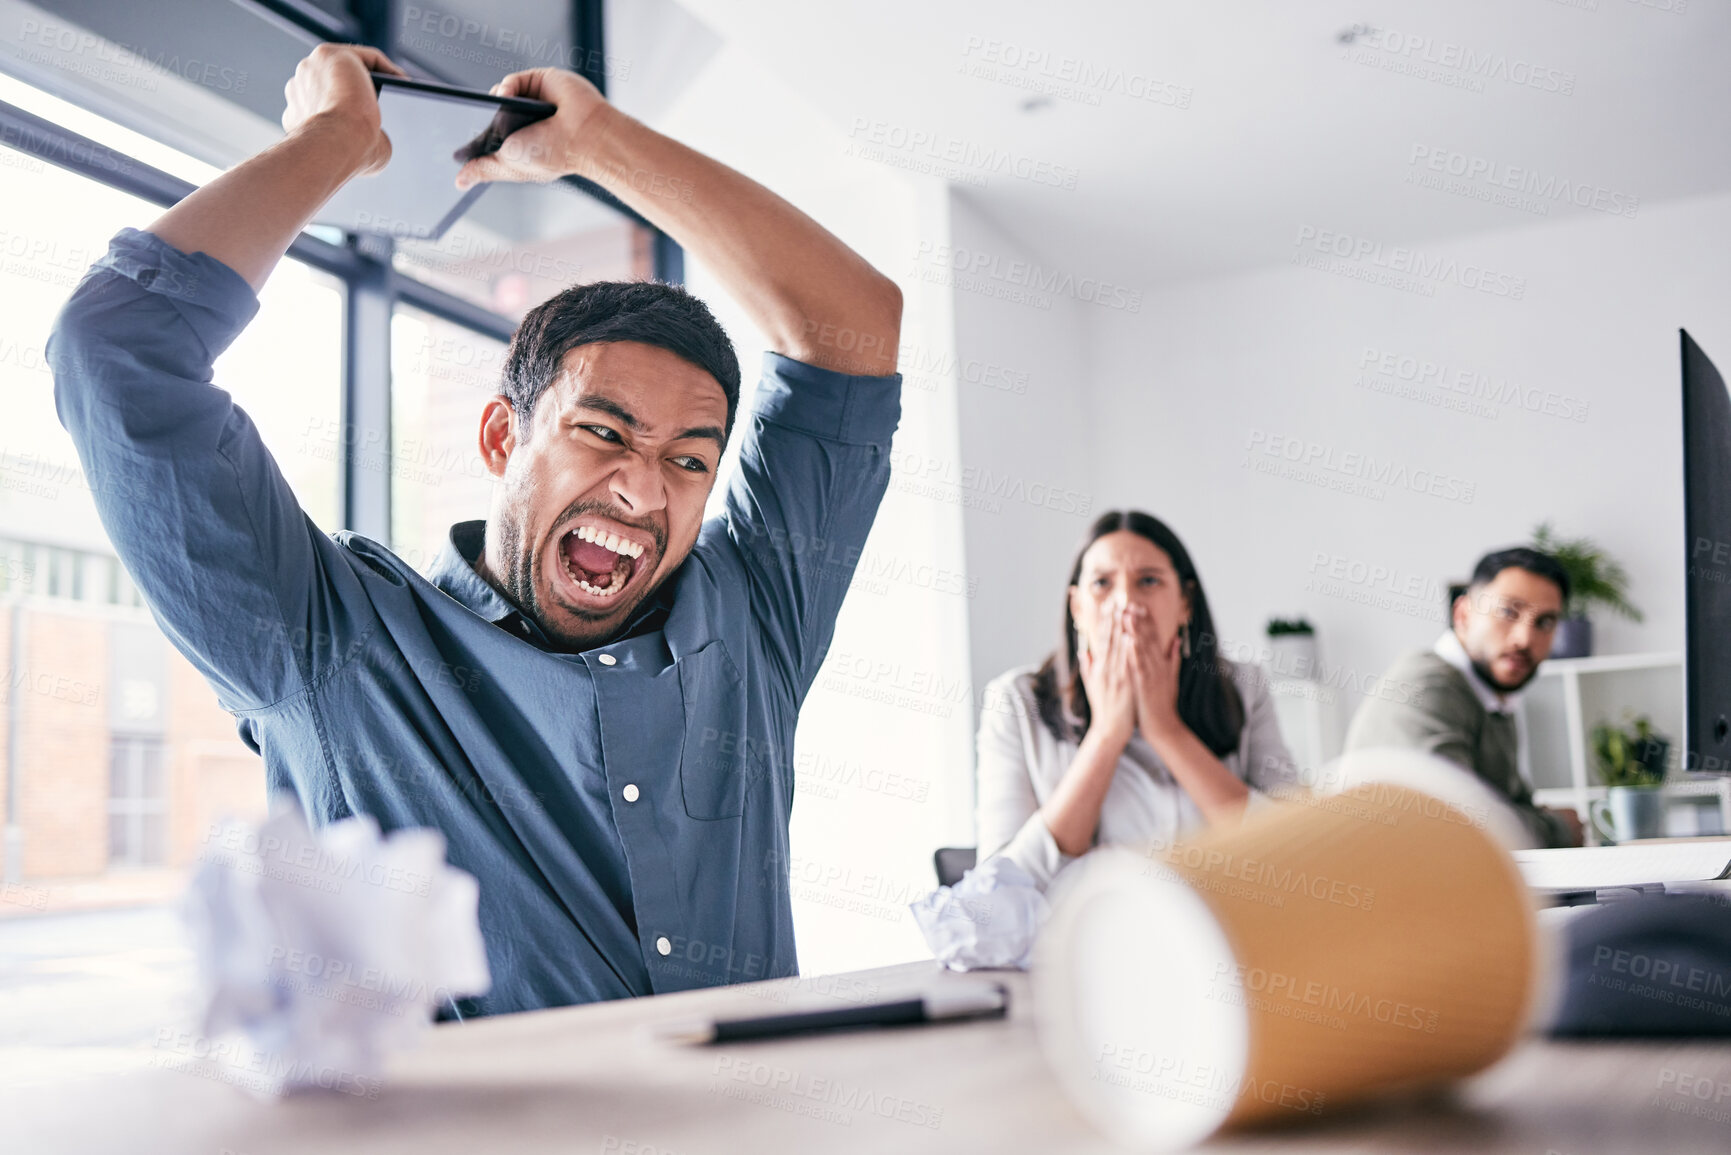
[{"x": 599, "y": 562}]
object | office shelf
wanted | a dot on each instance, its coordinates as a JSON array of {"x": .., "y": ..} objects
[
  {"x": 1596, "y": 689},
  {"x": 1608, "y": 663}
]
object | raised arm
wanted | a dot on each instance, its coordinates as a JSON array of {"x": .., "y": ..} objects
[
  {"x": 191, "y": 499},
  {"x": 815, "y": 299},
  {"x": 248, "y": 217}
]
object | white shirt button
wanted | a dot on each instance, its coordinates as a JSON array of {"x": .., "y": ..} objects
[
  {"x": 630, "y": 792},
  {"x": 662, "y": 945},
  {"x": 607, "y": 659}
]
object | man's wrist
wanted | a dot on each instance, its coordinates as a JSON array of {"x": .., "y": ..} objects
[
  {"x": 348, "y": 139},
  {"x": 603, "y": 158}
]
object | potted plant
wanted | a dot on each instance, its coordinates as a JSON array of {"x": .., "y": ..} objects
[
  {"x": 1593, "y": 577},
  {"x": 1631, "y": 764},
  {"x": 1292, "y": 647}
]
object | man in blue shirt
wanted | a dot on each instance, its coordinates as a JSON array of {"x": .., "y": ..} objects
[{"x": 593, "y": 694}]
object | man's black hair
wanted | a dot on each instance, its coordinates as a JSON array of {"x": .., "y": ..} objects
[
  {"x": 1520, "y": 557},
  {"x": 648, "y": 312}
]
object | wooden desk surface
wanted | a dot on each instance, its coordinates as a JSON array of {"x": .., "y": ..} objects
[{"x": 589, "y": 1079}]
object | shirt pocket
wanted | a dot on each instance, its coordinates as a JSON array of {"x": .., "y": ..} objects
[{"x": 716, "y": 763}]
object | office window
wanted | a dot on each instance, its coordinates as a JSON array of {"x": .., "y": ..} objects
[
  {"x": 135, "y": 798},
  {"x": 102, "y": 808},
  {"x": 137, "y": 803},
  {"x": 65, "y": 599},
  {"x": 121, "y": 591},
  {"x": 441, "y": 376},
  {"x": 285, "y": 370},
  {"x": 84, "y": 575},
  {"x": 15, "y": 567},
  {"x": 62, "y": 574},
  {"x": 520, "y": 244}
]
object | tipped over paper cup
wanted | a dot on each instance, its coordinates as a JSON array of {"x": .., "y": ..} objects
[{"x": 1329, "y": 949}]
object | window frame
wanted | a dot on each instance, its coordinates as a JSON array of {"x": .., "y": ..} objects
[
  {"x": 373, "y": 286},
  {"x": 137, "y": 805}
]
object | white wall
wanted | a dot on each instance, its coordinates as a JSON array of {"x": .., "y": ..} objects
[
  {"x": 883, "y": 749},
  {"x": 1185, "y": 397},
  {"x": 1028, "y": 413},
  {"x": 1026, "y": 432}
]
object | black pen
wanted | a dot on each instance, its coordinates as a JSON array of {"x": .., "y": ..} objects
[{"x": 974, "y": 1001}]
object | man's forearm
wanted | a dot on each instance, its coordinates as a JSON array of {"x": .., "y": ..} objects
[
  {"x": 247, "y": 217},
  {"x": 814, "y": 298}
]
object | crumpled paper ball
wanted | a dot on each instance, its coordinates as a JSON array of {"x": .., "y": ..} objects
[
  {"x": 326, "y": 951},
  {"x": 988, "y": 919}
]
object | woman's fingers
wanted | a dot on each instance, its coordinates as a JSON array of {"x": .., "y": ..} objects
[
  {"x": 1144, "y": 645},
  {"x": 1124, "y": 647},
  {"x": 1105, "y": 644}
]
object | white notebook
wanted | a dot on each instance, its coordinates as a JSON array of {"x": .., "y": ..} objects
[{"x": 1604, "y": 867}]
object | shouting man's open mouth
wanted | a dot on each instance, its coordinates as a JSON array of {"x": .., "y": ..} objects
[{"x": 600, "y": 562}]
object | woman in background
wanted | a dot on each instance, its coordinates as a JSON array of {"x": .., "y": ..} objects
[{"x": 1135, "y": 729}]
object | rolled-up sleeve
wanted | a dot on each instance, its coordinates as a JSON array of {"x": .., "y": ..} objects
[
  {"x": 203, "y": 520},
  {"x": 1007, "y": 811},
  {"x": 814, "y": 465}
]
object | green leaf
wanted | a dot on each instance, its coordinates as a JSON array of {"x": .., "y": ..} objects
[{"x": 1594, "y": 576}]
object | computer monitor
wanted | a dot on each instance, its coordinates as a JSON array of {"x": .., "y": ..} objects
[{"x": 1707, "y": 598}]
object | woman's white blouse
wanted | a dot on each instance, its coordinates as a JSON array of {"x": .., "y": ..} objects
[{"x": 1021, "y": 762}]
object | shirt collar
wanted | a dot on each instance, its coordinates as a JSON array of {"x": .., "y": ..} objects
[
  {"x": 1449, "y": 649},
  {"x": 454, "y": 572}
]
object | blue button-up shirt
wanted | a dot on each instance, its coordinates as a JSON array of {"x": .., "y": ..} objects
[{"x": 626, "y": 808}]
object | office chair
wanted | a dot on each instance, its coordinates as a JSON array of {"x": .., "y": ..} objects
[{"x": 951, "y": 862}]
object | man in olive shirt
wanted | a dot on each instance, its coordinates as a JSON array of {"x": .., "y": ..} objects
[{"x": 1458, "y": 699}]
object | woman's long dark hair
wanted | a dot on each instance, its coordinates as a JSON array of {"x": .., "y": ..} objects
[{"x": 1208, "y": 702}]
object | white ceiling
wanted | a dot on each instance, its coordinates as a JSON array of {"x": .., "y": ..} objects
[{"x": 1282, "y": 130}]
